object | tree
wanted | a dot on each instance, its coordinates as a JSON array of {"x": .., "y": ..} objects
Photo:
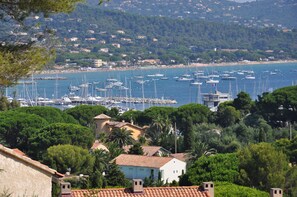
[
  {"x": 136, "y": 149},
  {"x": 65, "y": 157},
  {"x": 101, "y": 163},
  {"x": 115, "y": 177},
  {"x": 121, "y": 137},
  {"x": 188, "y": 115},
  {"x": 262, "y": 166},
  {"x": 223, "y": 188},
  {"x": 60, "y": 133},
  {"x": 6, "y": 105},
  {"x": 84, "y": 114},
  {"x": 219, "y": 167},
  {"x": 51, "y": 114},
  {"x": 291, "y": 181},
  {"x": 278, "y": 107},
  {"x": 16, "y": 129},
  {"x": 243, "y": 103},
  {"x": 227, "y": 116}
]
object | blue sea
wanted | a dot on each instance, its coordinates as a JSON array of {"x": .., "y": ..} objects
[{"x": 144, "y": 82}]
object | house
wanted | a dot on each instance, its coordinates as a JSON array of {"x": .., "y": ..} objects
[
  {"x": 151, "y": 150},
  {"x": 138, "y": 190},
  {"x": 140, "y": 167},
  {"x": 104, "y": 124},
  {"x": 22, "y": 176}
]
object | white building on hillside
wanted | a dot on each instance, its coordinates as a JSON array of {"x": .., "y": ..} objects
[{"x": 140, "y": 167}]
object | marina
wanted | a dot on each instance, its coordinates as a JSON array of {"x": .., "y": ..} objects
[{"x": 143, "y": 88}]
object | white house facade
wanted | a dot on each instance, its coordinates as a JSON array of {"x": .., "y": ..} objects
[{"x": 140, "y": 167}]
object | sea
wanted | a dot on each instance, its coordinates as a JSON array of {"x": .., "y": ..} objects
[{"x": 164, "y": 83}]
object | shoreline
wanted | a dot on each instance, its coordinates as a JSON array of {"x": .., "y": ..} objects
[{"x": 193, "y": 65}]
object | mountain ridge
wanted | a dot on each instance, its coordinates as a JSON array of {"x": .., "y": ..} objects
[{"x": 280, "y": 14}]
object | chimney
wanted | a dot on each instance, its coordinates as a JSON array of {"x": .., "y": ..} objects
[
  {"x": 276, "y": 192},
  {"x": 65, "y": 189},
  {"x": 208, "y": 187},
  {"x": 137, "y": 186}
]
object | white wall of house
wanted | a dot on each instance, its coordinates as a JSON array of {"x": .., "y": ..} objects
[
  {"x": 172, "y": 170},
  {"x": 22, "y": 179},
  {"x": 169, "y": 172}
]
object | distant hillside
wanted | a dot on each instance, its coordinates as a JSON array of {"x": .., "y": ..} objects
[
  {"x": 265, "y": 13},
  {"x": 90, "y": 32}
]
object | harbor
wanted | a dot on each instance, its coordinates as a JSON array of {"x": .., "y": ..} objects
[{"x": 140, "y": 89}]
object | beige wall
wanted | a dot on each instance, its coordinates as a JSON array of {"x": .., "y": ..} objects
[
  {"x": 136, "y": 133},
  {"x": 101, "y": 126},
  {"x": 22, "y": 180}
]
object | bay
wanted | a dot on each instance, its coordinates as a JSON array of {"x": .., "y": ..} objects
[{"x": 263, "y": 78}]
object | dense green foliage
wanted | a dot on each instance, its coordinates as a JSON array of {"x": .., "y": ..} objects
[
  {"x": 120, "y": 137},
  {"x": 60, "y": 133},
  {"x": 84, "y": 114},
  {"x": 282, "y": 12},
  {"x": 51, "y": 114},
  {"x": 262, "y": 166},
  {"x": 219, "y": 167},
  {"x": 279, "y": 106},
  {"x": 68, "y": 157},
  {"x": 136, "y": 149},
  {"x": 16, "y": 128},
  {"x": 225, "y": 189}
]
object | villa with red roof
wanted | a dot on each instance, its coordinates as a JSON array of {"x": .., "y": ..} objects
[{"x": 141, "y": 167}]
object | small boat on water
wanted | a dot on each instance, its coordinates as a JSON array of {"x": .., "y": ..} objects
[
  {"x": 184, "y": 79},
  {"x": 196, "y": 83},
  {"x": 212, "y": 81},
  {"x": 250, "y": 77},
  {"x": 228, "y": 78}
]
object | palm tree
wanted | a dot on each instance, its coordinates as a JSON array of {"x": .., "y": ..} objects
[
  {"x": 121, "y": 137},
  {"x": 101, "y": 160}
]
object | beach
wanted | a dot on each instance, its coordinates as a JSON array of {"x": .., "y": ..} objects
[{"x": 192, "y": 65}]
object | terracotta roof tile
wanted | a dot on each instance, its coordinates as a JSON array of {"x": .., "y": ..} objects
[
  {"x": 21, "y": 156},
  {"x": 142, "y": 161},
  {"x": 184, "y": 191},
  {"x": 102, "y": 116}
]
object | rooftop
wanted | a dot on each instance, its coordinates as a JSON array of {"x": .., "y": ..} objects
[
  {"x": 102, "y": 117},
  {"x": 182, "y": 191},
  {"x": 142, "y": 161}
]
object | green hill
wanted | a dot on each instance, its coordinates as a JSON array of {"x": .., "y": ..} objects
[{"x": 116, "y": 36}]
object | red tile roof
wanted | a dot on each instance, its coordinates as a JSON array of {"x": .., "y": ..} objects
[
  {"x": 184, "y": 191},
  {"x": 16, "y": 153},
  {"x": 142, "y": 161}
]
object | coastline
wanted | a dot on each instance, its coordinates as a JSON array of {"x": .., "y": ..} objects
[{"x": 193, "y": 65}]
